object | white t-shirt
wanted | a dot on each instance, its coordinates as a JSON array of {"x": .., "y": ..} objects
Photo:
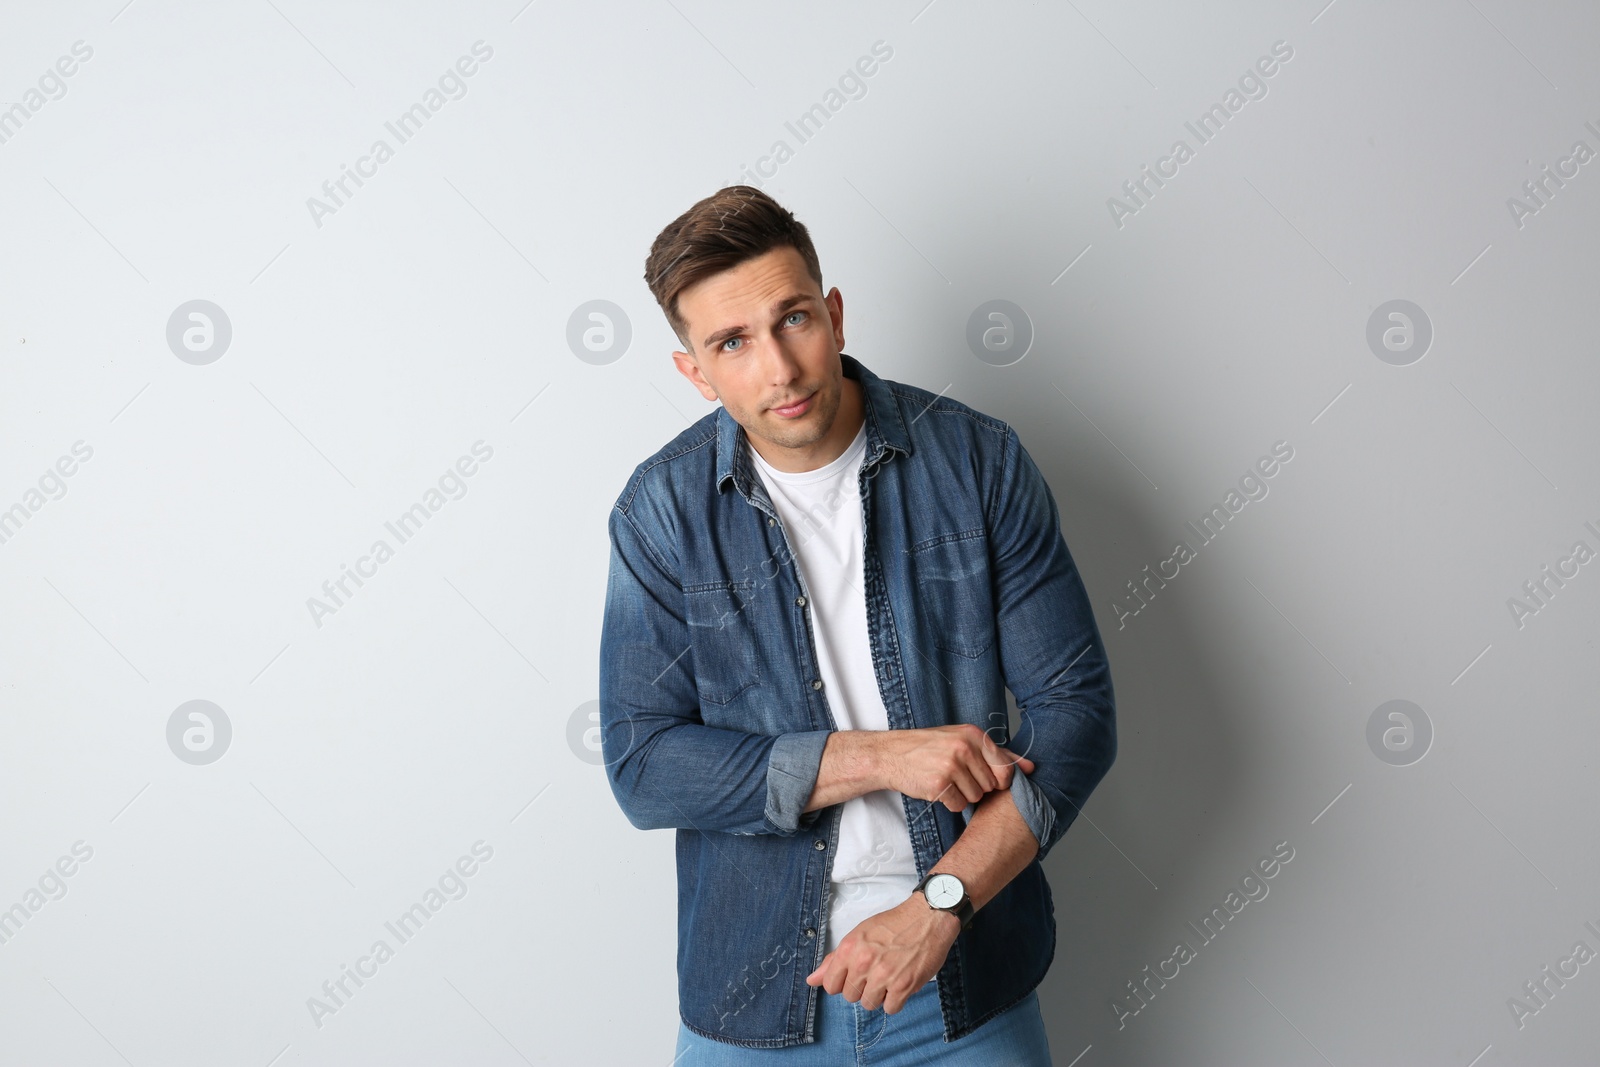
[{"x": 874, "y": 869}]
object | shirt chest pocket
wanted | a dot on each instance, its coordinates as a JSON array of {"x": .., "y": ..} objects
[
  {"x": 722, "y": 636},
  {"x": 954, "y": 592}
]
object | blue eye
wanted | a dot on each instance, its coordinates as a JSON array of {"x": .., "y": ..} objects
[{"x": 788, "y": 319}]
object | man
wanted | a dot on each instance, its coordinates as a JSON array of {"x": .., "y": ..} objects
[{"x": 818, "y": 596}]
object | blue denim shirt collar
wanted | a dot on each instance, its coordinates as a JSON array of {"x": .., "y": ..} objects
[{"x": 885, "y": 430}]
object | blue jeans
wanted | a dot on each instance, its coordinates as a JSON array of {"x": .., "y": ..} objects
[{"x": 848, "y": 1034}]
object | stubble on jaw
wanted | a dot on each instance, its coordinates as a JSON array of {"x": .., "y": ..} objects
[{"x": 813, "y": 428}]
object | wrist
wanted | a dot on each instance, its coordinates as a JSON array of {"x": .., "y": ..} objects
[
  {"x": 946, "y": 922},
  {"x": 874, "y": 765},
  {"x": 861, "y": 755},
  {"x": 850, "y": 767},
  {"x": 944, "y": 892}
]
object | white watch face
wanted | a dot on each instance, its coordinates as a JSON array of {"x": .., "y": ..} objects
[{"x": 944, "y": 891}]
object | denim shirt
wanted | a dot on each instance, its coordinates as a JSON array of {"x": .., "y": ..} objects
[{"x": 713, "y": 715}]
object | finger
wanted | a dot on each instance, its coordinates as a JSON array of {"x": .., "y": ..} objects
[
  {"x": 1012, "y": 760},
  {"x": 1002, "y": 776},
  {"x": 1013, "y": 765},
  {"x": 954, "y": 793},
  {"x": 972, "y": 782},
  {"x": 965, "y": 791},
  {"x": 993, "y": 752},
  {"x": 981, "y": 765},
  {"x": 996, "y": 770},
  {"x": 827, "y": 972},
  {"x": 999, "y": 762},
  {"x": 1004, "y": 757}
]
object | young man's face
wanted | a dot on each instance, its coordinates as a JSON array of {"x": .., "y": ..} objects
[{"x": 763, "y": 336}]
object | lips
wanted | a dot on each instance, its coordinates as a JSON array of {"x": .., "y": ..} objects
[{"x": 794, "y": 410}]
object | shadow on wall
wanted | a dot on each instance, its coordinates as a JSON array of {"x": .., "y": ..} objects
[{"x": 1181, "y": 759}]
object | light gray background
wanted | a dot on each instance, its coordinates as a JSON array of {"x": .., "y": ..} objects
[{"x": 437, "y": 707}]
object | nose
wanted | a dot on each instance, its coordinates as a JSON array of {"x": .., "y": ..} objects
[{"x": 781, "y": 367}]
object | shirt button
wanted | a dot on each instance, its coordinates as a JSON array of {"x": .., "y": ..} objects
[
  {"x": 800, "y": 601},
  {"x": 816, "y": 683},
  {"x": 771, "y": 521},
  {"x": 821, "y": 844},
  {"x": 810, "y": 932}
]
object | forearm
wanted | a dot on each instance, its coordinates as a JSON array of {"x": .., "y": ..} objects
[
  {"x": 850, "y": 768},
  {"x": 689, "y": 775},
  {"x": 995, "y": 847}
]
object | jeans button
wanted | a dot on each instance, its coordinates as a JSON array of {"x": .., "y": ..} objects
[
  {"x": 816, "y": 683},
  {"x": 810, "y": 932},
  {"x": 821, "y": 844}
]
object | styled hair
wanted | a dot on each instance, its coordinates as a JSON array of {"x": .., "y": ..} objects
[{"x": 734, "y": 224}]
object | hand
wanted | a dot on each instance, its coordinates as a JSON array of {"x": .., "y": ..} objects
[
  {"x": 954, "y": 765},
  {"x": 889, "y": 956}
]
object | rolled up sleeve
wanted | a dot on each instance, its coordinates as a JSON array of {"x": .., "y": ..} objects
[
  {"x": 666, "y": 767},
  {"x": 1035, "y": 809},
  {"x": 1051, "y": 653},
  {"x": 793, "y": 766}
]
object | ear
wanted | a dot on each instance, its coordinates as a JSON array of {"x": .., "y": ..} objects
[
  {"x": 835, "y": 302},
  {"x": 688, "y": 368}
]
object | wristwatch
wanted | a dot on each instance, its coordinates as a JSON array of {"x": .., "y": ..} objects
[{"x": 944, "y": 892}]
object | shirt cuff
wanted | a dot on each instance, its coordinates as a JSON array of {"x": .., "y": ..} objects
[
  {"x": 792, "y": 769},
  {"x": 1033, "y": 807}
]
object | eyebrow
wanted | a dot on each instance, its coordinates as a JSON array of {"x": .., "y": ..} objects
[{"x": 775, "y": 311}]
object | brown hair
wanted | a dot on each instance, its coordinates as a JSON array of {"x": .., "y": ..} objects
[{"x": 733, "y": 224}]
